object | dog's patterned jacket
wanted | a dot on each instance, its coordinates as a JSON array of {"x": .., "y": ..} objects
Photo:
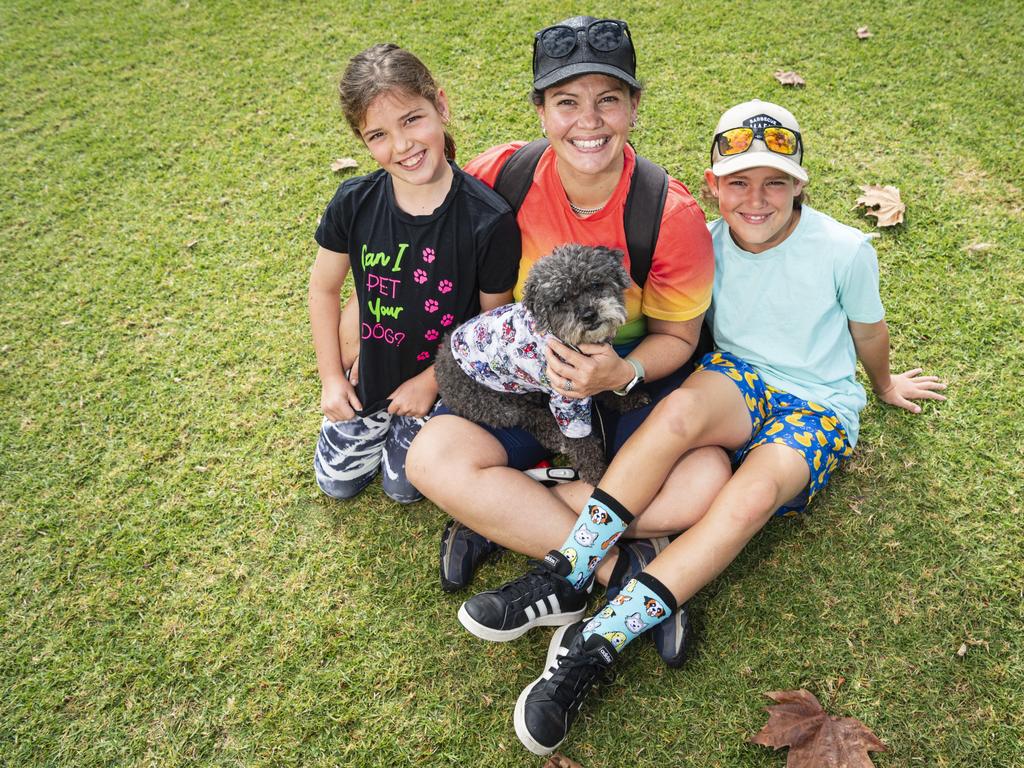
[{"x": 502, "y": 350}]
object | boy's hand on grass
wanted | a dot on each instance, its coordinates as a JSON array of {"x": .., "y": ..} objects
[
  {"x": 338, "y": 400},
  {"x": 906, "y": 387},
  {"x": 416, "y": 396}
]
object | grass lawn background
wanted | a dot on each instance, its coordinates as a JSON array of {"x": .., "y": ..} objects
[{"x": 175, "y": 591}]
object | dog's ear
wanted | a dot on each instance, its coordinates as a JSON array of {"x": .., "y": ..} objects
[{"x": 531, "y": 298}]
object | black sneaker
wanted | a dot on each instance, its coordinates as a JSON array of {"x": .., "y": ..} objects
[
  {"x": 462, "y": 551},
  {"x": 541, "y": 597},
  {"x": 547, "y": 707},
  {"x": 673, "y": 637},
  {"x": 634, "y": 556}
]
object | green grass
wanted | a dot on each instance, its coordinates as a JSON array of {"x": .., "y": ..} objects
[{"x": 174, "y": 590}]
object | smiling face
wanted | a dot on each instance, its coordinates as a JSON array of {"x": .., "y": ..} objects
[
  {"x": 587, "y": 121},
  {"x": 405, "y": 135},
  {"x": 757, "y": 204}
]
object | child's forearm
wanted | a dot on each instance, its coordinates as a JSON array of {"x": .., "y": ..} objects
[
  {"x": 350, "y": 332},
  {"x": 324, "y": 318},
  {"x": 872, "y": 346}
]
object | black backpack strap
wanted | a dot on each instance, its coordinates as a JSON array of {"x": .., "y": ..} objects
[
  {"x": 516, "y": 175},
  {"x": 642, "y": 218},
  {"x": 645, "y": 205}
]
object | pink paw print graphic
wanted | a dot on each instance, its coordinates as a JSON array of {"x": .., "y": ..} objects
[
  {"x": 428, "y": 255},
  {"x": 423, "y": 355},
  {"x": 419, "y": 276},
  {"x": 447, "y": 320},
  {"x": 430, "y": 305},
  {"x": 431, "y": 335},
  {"x": 445, "y": 286}
]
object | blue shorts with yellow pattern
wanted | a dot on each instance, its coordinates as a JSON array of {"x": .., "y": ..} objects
[{"x": 779, "y": 417}]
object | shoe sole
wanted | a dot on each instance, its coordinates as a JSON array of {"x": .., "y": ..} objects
[
  {"x": 519, "y": 715},
  {"x": 474, "y": 627}
]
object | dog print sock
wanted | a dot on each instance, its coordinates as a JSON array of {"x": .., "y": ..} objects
[
  {"x": 642, "y": 604},
  {"x": 599, "y": 526}
]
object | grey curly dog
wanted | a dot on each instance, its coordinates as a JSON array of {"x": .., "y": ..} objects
[{"x": 492, "y": 369}]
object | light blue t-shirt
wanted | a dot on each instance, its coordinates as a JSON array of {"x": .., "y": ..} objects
[{"x": 785, "y": 310}]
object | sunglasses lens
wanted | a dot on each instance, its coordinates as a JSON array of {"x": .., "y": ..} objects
[
  {"x": 605, "y": 36},
  {"x": 734, "y": 141},
  {"x": 780, "y": 140},
  {"x": 558, "y": 41}
]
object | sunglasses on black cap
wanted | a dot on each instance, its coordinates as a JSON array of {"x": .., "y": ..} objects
[{"x": 605, "y": 35}]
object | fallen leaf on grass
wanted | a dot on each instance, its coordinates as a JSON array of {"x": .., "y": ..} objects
[
  {"x": 343, "y": 164},
  {"x": 863, "y": 33},
  {"x": 789, "y": 78},
  {"x": 980, "y": 247},
  {"x": 885, "y": 204},
  {"x": 962, "y": 650},
  {"x": 815, "y": 738},
  {"x": 559, "y": 760},
  {"x": 191, "y": 243}
]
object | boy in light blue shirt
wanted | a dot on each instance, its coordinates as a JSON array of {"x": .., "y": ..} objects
[{"x": 795, "y": 304}]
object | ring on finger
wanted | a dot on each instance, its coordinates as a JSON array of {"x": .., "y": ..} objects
[{"x": 568, "y": 385}]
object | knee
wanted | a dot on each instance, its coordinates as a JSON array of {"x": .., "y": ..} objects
[
  {"x": 753, "y": 503},
  {"x": 342, "y": 490},
  {"x": 714, "y": 467},
  {"x": 439, "y": 440},
  {"x": 428, "y": 442},
  {"x": 679, "y": 413}
]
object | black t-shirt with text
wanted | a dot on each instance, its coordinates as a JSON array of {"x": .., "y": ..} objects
[{"x": 416, "y": 277}]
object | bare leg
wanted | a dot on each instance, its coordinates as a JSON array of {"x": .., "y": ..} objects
[
  {"x": 462, "y": 468},
  {"x": 681, "y": 501},
  {"x": 707, "y": 410},
  {"x": 770, "y": 476},
  {"x": 684, "y": 498}
]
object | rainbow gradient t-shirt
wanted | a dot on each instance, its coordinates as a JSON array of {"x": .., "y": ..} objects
[{"x": 682, "y": 267}]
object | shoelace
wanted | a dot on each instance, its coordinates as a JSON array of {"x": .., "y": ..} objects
[
  {"x": 537, "y": 576},
  {"x": 576, "y": 673}
]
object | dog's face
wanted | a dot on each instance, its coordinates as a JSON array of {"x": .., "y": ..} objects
[{"x": 576, "y": 293}]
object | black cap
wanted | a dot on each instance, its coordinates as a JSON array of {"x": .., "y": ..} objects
[{"x": 584, "y": 60}]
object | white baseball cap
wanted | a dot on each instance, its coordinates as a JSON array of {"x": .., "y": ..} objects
[{"x": 758, "y": 115}]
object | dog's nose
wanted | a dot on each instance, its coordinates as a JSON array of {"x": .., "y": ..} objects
[{"x": 588, "y": 316}]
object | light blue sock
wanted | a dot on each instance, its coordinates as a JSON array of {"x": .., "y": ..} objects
[
  {"x": 642, "y": 604},
  {"x": 599, "y": 526}
]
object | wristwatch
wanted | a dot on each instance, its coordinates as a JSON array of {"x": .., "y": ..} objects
[{"x": 638, "y": 376}]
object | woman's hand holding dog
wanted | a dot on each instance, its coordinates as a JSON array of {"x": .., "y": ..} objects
[{"x": 595, "y": 368}]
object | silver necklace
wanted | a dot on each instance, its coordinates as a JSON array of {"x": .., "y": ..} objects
[{"x": 585, "y": 211}]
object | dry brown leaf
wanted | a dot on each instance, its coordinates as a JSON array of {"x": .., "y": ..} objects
[
  {"x": 558, "y": 760},
  {"x": 343, "y": 164},
  {"x": 789, "y": 78},
  {"x": 191, "y": 243},
  {"x": 980, "y": 247},
  {"x": 815, "y": 738},
  {"x": 962, "y": 650},
  {"x": 863, "y": 33},
  {"x": 885, "y": 204}
]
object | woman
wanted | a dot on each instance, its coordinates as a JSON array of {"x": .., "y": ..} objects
[{"x": 586, "y": 96}]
